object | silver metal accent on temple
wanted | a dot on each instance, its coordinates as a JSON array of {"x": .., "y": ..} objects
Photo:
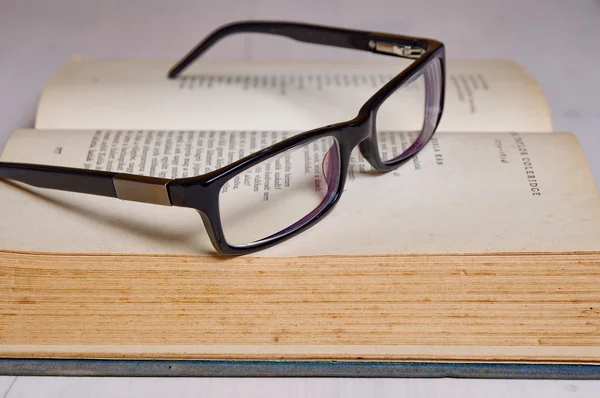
[
  {"x": 142, "y": 189},
  {"x": 401, "y": 51}
]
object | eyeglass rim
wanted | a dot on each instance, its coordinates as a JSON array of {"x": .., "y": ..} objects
[
  {"x": 348, "y": 134},
  {"x": 201, "y": 192}
]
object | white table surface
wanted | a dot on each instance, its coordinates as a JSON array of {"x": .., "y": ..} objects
[{"x": 557, "y": 41}]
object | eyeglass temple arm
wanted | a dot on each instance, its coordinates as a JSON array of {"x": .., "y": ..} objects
[
  {"x": 316, "y": 34},
  {"x": 102, "y": 183}
]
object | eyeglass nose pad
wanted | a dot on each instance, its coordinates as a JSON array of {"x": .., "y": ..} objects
[
  {"x": 368, "y": 149},
  {"x": 331, "y": 165}
]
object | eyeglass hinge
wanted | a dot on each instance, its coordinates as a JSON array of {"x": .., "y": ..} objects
[
  {"x": 401, "y": 51},
  {"x": 142, "y": 189}
]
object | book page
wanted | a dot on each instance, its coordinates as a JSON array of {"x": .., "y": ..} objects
[
  {"x": 464, "y": 193},
  {"x": 481, "y": 96}
]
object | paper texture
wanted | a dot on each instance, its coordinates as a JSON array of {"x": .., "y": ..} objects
[
  {"x": 464, "y": 193},
  {"x": 481, "y": 96}
]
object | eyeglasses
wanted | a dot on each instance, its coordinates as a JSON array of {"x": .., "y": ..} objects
[{"x": 305, "y": 174}]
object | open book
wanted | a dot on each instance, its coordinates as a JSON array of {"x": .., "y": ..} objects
[{"x": 484, "y": 248}]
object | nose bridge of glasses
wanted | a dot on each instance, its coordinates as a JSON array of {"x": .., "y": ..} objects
[{"x": 351, "y": 134}]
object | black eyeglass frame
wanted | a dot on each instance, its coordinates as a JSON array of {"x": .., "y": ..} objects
[{"x": 202, "y": 192}]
